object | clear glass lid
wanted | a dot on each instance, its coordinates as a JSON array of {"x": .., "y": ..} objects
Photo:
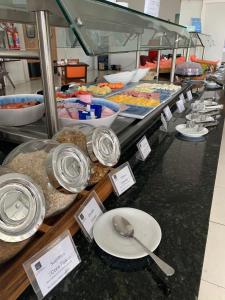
[
  {"x": 68, "y": 168},
  {"x": 22, "y": 206},
  {"x": 104, "y": 145}
]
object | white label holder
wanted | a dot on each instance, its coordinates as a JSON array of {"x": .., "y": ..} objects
[
  {"x": 180, "y": 106},
  {"x": 144, "y": 148},
  {"x": 181, "y": 97},
  {"x": 189, "y": 95},
  {"x": 88, "y": 213},
  {"x": 164, "y": 126},
  {"x": 52, "y": 264},
  {"x": 168, "y": 113},
  {"x": 122, "y": 178}
]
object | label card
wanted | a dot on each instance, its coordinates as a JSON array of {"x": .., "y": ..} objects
[
  {"x": 189, "y": 95},
  {"x": 144, "y": 148},
  {"x": 88, "y": 213},
  {"x": 180, "y": 106},
  {"x": 163, "y": 120},
  {"x": 122, "y": 178},
  {"x": 168, "y": 113},
  {"x": 182, "y": 97},
  {"x": 51, "y": 264}
]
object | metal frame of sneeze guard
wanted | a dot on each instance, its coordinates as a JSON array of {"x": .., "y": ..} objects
[
  {"x": 110, "y": 28},
  {"x": 198, "y": 39}
]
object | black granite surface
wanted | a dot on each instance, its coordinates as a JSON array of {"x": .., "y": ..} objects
[{"x": 174, "y": 185}]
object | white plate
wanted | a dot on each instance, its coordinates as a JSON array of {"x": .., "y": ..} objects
[
  {"x": 191, "y": 132},
  {"x": 208, "y": 119},
  {"x": 146, "y": 228}
]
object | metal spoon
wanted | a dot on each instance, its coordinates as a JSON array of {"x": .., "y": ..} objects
[{"x": 124, "y": 228}]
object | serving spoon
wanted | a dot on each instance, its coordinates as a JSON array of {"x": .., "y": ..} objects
[{"x": 125, "y": 229}]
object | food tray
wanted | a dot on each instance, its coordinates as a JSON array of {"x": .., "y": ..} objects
[{"x": 140, "y": 112}]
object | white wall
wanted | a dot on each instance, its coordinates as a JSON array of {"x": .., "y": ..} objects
[
  {"x": 211, "y": 13},
  {"x": 189, "y": 9},
  {"x": 65, "y": 53},
  {"x": 168, "y": 9},
  {"x": 136, "y": 4},
  {"x": 214, "y": 24},
  {"x": 126, "y": 60}
]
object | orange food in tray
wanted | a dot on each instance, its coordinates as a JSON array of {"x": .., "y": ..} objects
[
  {"x": 113, "y": 86},
  {"x": 19, "y": 105}
]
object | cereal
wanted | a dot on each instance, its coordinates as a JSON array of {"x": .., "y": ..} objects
[{"x": 34, "y": 165}]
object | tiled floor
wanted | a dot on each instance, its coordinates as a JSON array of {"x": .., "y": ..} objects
[{"x": 213, "y": 274}]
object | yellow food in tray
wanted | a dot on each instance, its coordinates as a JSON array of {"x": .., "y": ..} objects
[
  {"x": 139, "y": 101},
  {"x": 97, "y": 90}
]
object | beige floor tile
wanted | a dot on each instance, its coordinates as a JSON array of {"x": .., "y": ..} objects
[
  {"x": 214, "y": 262},
  {"x": 220, "y": 175},
  {"x": 218, "y": 206},
  {"x": 210, "y": 291}
]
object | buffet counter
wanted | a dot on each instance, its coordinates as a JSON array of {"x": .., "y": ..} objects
[
  {"x": 125, "y": 128},
  {"x": 175, "y": 185}
]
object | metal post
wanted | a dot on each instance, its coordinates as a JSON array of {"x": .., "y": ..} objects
[
  {"x": 172, "y": 73},
  {"x": 203, "y": 52},
  {"x": 42, "y": 19},
  {"x": 188, "y": 53},
  {"x": 158, "y": 61},
  {"x": 188, "y": 50},
  {"x": 138, "y": 51},
  {"x": 19, "y": 54}
]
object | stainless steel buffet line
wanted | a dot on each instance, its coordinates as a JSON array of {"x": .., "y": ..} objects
[{"x": 126, "y": 128}]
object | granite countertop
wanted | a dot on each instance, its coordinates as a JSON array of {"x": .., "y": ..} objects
[{"x": 175, "y": 185}]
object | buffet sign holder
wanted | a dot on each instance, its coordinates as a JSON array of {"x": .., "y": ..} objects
[{"x": 13, "y": 278}]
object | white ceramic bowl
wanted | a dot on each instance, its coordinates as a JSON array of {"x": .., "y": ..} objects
[
  {"x": 21, "y": 116},
  {"x": 139, "y": 74},
  {"x": 106, "y": 121},
  {"x": 124, "y": 77}
]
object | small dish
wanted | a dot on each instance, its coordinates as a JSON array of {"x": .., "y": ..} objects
[
  {"x": 191, "y": 132},
  {"x": 198, "y": 119},
  {"x": 145, "y": 226},
  {"x": 209, "y": 103}
]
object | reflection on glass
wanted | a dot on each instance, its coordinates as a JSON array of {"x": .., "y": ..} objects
[{"x": 103, "y": 27}]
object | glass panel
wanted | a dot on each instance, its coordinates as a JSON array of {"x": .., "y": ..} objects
[
  {"x": 65, "y": 38},
  {"x": 103, "y": 27},
  {"x": 196, "y": 40},
  {"x": 21, "y": 11},
  {"x": 206, "y": 40},
  {"x": 201, "y": 39}
]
